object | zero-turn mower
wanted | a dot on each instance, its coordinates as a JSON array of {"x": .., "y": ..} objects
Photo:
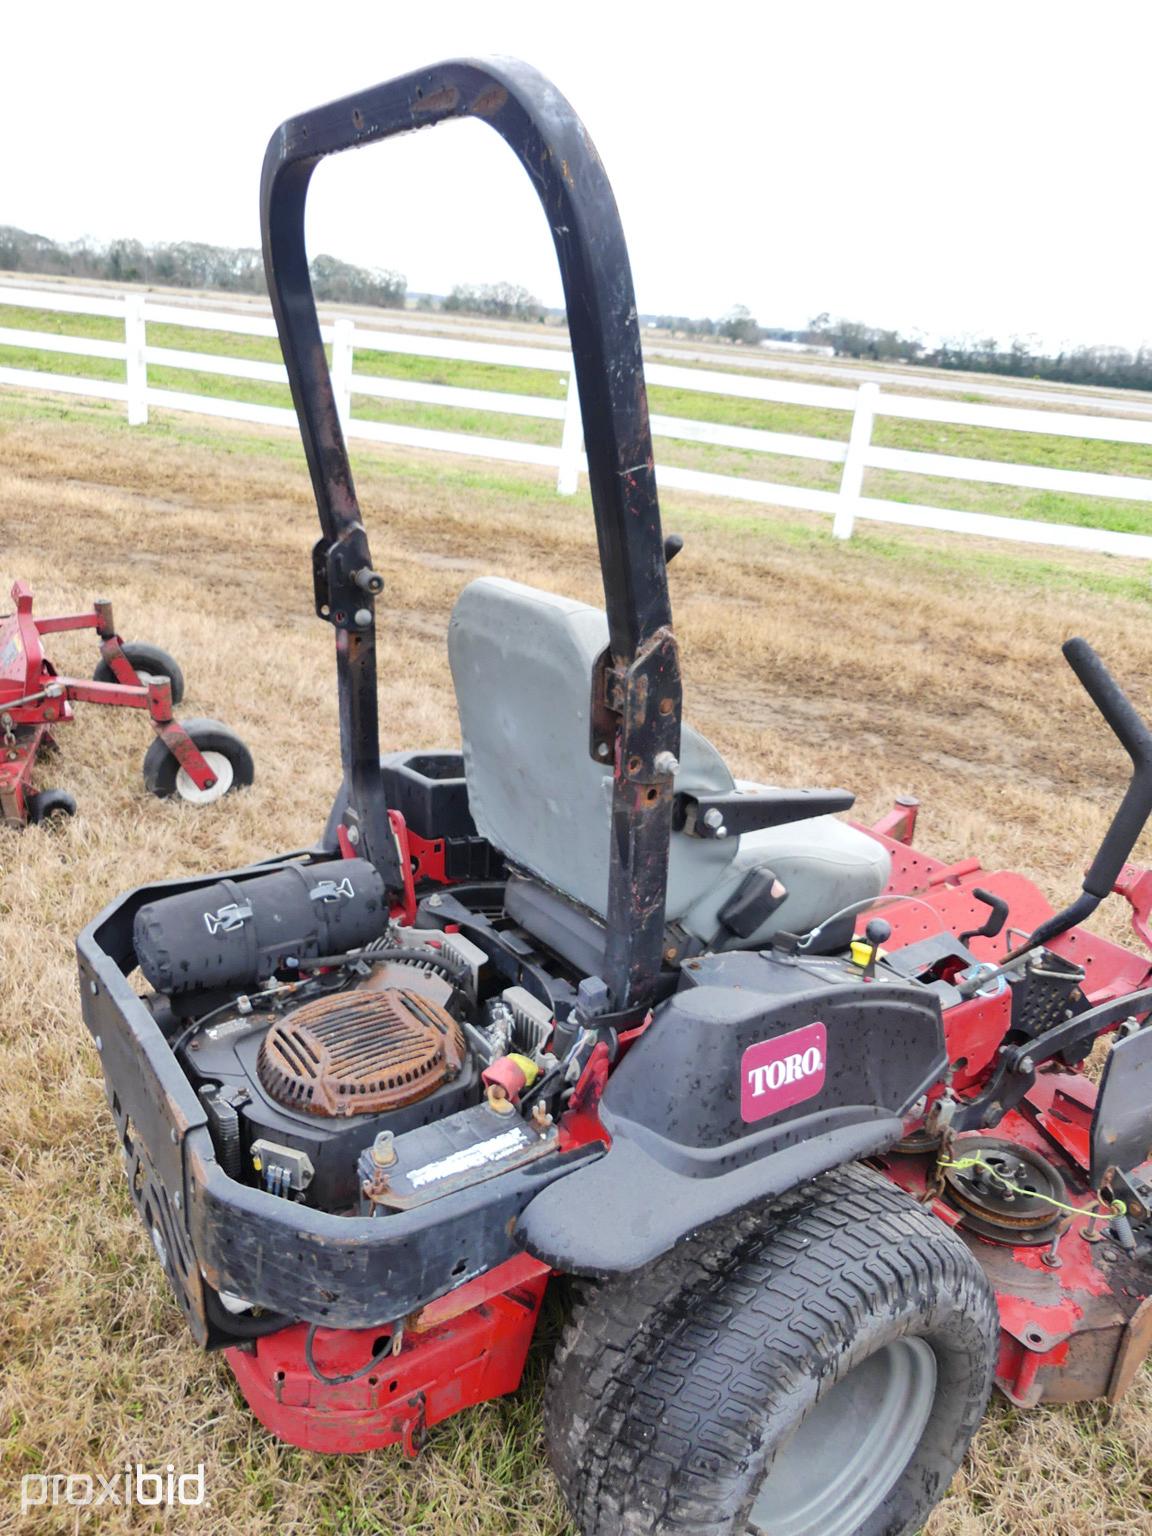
[
  {"x": 802, "y": 1111},
  {"x": 194, "y": 760}
]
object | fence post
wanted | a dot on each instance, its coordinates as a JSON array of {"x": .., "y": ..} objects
[
  {"x": 852, "y": 480},
  {"x": 342, "y": 351},
  {"x": 571, "y": 440},
  {"x": 136, "y": 365}
]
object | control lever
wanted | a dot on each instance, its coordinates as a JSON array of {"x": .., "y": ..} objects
[
  {"x": 995, "y": 920},
  {"x": 877, "y": 932},
  {"x": 1128, "y": 822}
]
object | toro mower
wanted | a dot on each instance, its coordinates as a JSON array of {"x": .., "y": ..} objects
[
  {"x": 800, "y": 1113},
  {"x": 198, "y": 761}
]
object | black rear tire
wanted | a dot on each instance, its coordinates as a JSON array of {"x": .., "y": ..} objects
[
  {"x": 678, "y": 1390},
  {"x": 164, "y": 778},
  {"x": 148, "y": 661}
]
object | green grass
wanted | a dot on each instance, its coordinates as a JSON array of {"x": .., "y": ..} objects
[
  {"x": 870, "y": 541},
  {"x": 929, "y": 437},
  {"x": 1010, "y": 565}
]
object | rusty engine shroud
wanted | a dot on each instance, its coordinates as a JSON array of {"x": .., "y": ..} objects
[{"x": 361, "y": 1052}]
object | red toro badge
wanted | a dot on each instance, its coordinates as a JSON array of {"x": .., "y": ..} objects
[{"x": 775, "y": 1074}]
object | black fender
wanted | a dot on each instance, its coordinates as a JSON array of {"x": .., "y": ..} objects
[{"x": 758, "y": 1075}]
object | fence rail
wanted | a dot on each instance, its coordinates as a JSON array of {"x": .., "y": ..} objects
[{"x": 856, "y": 455}]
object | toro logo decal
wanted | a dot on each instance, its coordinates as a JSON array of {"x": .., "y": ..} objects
[{"x": 775, "y": 1074}]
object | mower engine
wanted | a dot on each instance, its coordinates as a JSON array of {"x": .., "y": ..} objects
[{"x": 374, "y": 1082}]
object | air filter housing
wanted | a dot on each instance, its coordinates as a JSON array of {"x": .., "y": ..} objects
[{"x": 361, "y": 1052}]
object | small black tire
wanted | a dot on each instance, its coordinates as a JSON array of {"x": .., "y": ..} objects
[
  {"x": 678, "y": 1391},
  {"x": 148, "y": 661},
  {"x": 49, "y": 804},
  {"x": 164, "y": 777}
]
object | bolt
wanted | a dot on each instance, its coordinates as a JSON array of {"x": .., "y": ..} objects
[
  {"x": 363, "y": 617},
  {"x": 1027, "y": 1064},
  {"x": 497, "y": 1097},
  {"x": 177, "y": 1200},
  {"x": 93, "y": 988},
  {"x": 714, "y": 818},
  {"x": 1050, "y": 1258},
  {"x": 602, "y": 749},
  {"x": 666, "y": 762},
  {"x": 666, "y": 706},
  {"x": 436, "y": 901},
  {"x": 99, "y": 1044},
  {"x": 353, "y": 835}
]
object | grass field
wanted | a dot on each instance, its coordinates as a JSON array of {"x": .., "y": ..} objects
[
  {"x": 962, "y": 441},
  {"x": 895, "y": 663}
]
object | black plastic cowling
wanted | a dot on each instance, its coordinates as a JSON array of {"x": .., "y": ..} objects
[{"x": 762, "y": 1071}]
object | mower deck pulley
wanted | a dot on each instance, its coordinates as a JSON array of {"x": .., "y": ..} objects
[{"x": 1006, "y": 1197}]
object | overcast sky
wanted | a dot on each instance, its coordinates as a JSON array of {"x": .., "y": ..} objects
[{"x": 949, "y": 165}]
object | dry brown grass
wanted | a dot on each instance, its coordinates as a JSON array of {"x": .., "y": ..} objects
[{"x": 927, "y": 666}]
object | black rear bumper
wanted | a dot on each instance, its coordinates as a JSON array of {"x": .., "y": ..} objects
[{"x": 214, "y": 1234}]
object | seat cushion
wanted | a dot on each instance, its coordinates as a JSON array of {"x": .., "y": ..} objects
[
  {"x": 522, "y": 665},
  {"x": 825, "y": 865}
]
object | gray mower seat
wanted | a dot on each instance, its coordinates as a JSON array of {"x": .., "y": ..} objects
[{"x": 522, "y": 664}]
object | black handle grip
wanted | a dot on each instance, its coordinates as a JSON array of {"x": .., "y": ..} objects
[
  {"x": 1136, "y": 739},
  {"x": 994, "y": 922}
]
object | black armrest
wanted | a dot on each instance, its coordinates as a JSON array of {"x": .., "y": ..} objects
[{"x": 730, "y": 815}]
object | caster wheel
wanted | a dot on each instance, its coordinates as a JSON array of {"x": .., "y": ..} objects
[
  {"x": 148, "y": 661},
  {"x": 227, "y": 756},
  {"x": 50, "y": 805}
]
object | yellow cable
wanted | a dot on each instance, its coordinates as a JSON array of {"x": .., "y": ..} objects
[{"x": 1118, "y": 1208}]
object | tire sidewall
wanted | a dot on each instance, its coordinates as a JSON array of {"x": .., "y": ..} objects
[{"x": 161, "y": 766}]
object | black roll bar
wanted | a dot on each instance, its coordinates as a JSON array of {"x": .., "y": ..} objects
[{"x": 637, "y": 687}]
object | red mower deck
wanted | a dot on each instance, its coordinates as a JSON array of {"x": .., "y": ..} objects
[{"x": 198, "y": 761}]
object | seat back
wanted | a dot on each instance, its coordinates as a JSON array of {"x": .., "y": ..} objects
[{"x": 522, "y": 665}]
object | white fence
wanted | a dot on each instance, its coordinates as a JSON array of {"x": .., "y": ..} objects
[{"x": 844, "y": 505}]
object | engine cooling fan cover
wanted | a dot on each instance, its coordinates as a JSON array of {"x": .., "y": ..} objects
[{"x": 361, "y": 1052}]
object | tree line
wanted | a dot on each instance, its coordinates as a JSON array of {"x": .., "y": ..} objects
[
  {"x": 191, "y": 264},
  {"x": 232, "y": 269},
  {"x": 1107, "y": 366}
]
